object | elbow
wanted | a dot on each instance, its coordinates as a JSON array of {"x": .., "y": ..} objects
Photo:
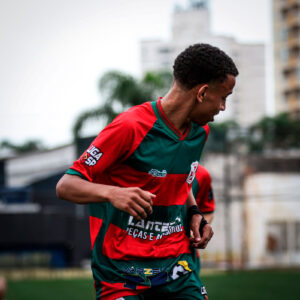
[{"x": 60, "y": 188}]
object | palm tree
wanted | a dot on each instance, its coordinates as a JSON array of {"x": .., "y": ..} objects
[{"x": 121, "y": 91}]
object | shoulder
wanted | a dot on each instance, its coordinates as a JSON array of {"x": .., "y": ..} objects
[
  {"x": 139, "y": 114},
  {"x": 202, "y": 173},
  {"x": 134, "y": 123}
]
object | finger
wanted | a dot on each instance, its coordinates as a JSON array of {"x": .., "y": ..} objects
[
  {"x": 191, "y": 235},
  {"x": 197, "y": 236},
  {"x": 199, "y": 245},
  {"x": 206, "y": 237},
  {"x": 195, "y": 229},
  {"x": 147, "y": 196},
  {"x": 139, "y": 210},
  {"x": 207, "y": 233},
  {"x": 146, "y": 206},
  {"x": 133, "y": 213}
]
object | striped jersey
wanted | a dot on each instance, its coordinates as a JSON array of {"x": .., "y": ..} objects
[{"x": 141, "y": 148}]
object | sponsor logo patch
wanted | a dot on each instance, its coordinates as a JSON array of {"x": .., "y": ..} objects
[
  {"x": 141, "y": 271},
  {"x": 180, "y": 269},
  {"x": 157, "y": 173},
  {"x": 152, "y": 230},
  {"x": 91, "y": 156}
]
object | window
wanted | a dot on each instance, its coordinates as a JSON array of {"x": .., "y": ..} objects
[
  {"x": 276, "y": 237},
  {"x": 164, "y": 50},
  {"x": 284, "y": 54},
  {"x": 283, "y": 236},
  {"x": 284, "y": 34}
]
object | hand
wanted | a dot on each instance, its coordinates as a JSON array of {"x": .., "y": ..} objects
[
  {"x": 133, "y": 200},
  {"x": 196, "y": 239}
]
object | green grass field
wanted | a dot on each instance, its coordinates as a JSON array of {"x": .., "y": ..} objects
[{"x": 265, "y": 285}]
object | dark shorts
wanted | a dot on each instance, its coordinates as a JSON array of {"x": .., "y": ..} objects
[{"x": 187, "y": 287}]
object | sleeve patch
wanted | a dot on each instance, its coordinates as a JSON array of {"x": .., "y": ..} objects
[{"x": 91, "y": 156}]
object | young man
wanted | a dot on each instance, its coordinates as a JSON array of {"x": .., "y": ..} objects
[
  {"x": 204, "y": 196},
  {"x": 136, "y": 177}
]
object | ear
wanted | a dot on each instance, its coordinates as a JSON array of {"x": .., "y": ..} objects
[{"x": 201, "y": 92}]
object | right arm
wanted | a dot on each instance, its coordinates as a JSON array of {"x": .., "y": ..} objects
[
  {"x": 208, "y": 217},
  {"x": 133, "y": 200}
]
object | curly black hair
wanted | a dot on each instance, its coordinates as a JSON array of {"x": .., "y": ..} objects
[{"x": 202, "y": 63}]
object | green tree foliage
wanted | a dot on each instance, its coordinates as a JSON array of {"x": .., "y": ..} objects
[
  {"x": 222, "y": 136},
  {"x": 121, "y": 91},
  {"x": 270, "y": 133},
  {"x": 279, "y": 132}
]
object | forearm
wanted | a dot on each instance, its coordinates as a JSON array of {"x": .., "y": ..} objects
[
  {"x": 133, "y": 200},
  {"x": 190, "y": 200},
  {"x": 77, "y": 190}
]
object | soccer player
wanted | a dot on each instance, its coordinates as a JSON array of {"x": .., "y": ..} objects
[
  {"x": 204, "y": 196},
  {"x": 136, "y": 177}
]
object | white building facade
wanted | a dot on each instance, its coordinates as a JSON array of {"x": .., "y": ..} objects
[{"x": 192, "y": 25}]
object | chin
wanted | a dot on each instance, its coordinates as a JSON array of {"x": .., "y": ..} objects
[{"x": 202, "y": 123}]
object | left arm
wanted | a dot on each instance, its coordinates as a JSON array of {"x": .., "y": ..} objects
[{"x": 197, "y": 240}]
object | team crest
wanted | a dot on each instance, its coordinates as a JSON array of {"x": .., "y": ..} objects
[
  {"x": 192, "y": 173},
  {"x": 180, "y": 269}
]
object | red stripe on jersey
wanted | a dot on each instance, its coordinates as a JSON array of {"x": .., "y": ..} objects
[
  {"x": 95, "y": 225},
  {"x": 114, "y": 290},
  {"x": 170, "y": 190},
  {"x": 173, "y": 191},
  {"x": 118, "y": 244},
  {"x": 206, "y": 128}
]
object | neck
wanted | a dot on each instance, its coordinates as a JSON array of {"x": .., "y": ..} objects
[{"x": 177, "y": 104}]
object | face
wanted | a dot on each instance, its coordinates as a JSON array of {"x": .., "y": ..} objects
[{"x": 211, "y": 99}]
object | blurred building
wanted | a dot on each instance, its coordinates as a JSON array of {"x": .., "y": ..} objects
[
  {"x": 286, "y": 32},
  {"x": 257, "y": 217},
  {"x": 272, "y": 211},
  {"x": 192, "y": 25},
  {"x": 36, "y": 228}
]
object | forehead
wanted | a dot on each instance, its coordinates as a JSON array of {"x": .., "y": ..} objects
[{"x": 225, "y": 86}]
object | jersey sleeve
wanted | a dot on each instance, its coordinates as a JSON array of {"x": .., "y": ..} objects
[
  {"x": 113, "y": 144},
  {"x": 203, "y": 192},
  {"x": 207, "y": 129}
]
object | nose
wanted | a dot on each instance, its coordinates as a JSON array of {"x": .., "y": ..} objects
[{"x": 223, "y": 106}]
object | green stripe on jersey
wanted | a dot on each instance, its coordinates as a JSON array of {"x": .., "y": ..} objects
[
  {"x": 195, "y": 187},
  {"x": 73, "y": 172},
  {"x": 159, "y": 150}
]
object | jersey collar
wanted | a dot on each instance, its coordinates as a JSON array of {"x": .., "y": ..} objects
[{"x": 176, "y": 133}]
